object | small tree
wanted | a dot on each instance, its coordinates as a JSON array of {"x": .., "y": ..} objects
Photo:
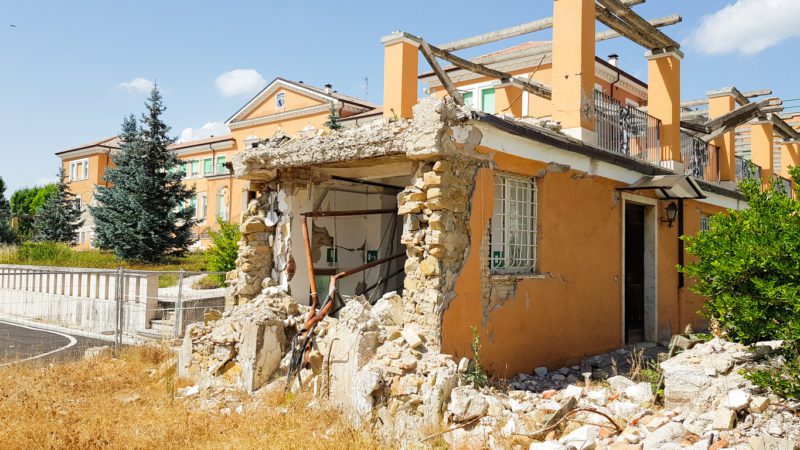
[
  {"x": 58, "y": 219},
  {"x": 7, "y": 235},
  {"x": 224, "y": 249},
  {"x": 144, "y": 215},
  {"x": 748, "y": 266},
  {"x": 333, "y": 120}
]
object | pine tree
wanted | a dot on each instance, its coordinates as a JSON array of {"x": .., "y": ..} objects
[
  {"x": 58, "y": 219},
  {"x": 143, "y": 214},
  {"x": 333, "y": 120},
  {"x": 7, "y": 235}
]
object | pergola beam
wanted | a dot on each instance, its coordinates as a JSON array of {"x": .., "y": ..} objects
[
  {"x": 510, "y": 32},
  {"x": 606, "y": 18},
  {"x": 747, "y": 95},
  {"x": 427, "y": 53},
  {"x": 658, "y": 22},
  {"x": 783, "y": 128},
  {"x": 637, "y": 26},
  {"x": 733, "y": 119}
]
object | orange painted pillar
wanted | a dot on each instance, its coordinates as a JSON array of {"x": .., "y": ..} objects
[
  {"x": 574, "y": 67},
  {"x": 664, "y": 102},
  {"x": 761, "y": 148},
  {"x": 508, "y": 100},
  {"x": 790, "y": 157},
  {"x": 720, "y": 103},
  {"x": 400, "y": 70}
]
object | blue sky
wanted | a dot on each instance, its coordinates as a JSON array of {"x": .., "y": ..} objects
[{"x": 64, "y": 63}]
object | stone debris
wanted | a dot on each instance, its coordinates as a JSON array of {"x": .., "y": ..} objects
[{"x": 97, "y": 352}]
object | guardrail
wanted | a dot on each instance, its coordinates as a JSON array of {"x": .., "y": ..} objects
[
  {"x": 700, "y": 159},
  {"x": 747, "y": 170},
  {"x": 627, "y": 130}
]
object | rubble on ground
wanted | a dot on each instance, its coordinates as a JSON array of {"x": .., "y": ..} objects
[{"x": 384, "y": 373}]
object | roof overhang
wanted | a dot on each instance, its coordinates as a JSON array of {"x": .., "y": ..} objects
[{"x": 668, "y": 187}]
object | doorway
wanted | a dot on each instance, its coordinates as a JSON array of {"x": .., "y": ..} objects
[
  {"x": 634, "y": 273},
  {"x": 640, "y": 225}
]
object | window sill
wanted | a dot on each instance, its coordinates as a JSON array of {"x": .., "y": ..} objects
[{"x": 513, "y": 277}]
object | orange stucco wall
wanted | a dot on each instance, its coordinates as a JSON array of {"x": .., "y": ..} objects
[
  {"x": 574, "y": 307},
  {"x": 292, "y": 100}
]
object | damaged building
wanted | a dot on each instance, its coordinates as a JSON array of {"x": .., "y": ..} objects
[{"x": 537, "y": 195}]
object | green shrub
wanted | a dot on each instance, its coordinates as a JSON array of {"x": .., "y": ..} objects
[
  {"x": 475, "y": 375},
  {"x": 224, "y": 249},
  {"x": 208, "y": 282},
  {"x": 43, "y": 253},
  {"x": 748, "y": 266}
]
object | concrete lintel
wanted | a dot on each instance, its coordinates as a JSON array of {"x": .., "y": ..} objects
[
  {"x": 724, "y": 92},
  {"x": 663, "y": 52},
  {"x": 400, "y": 36}
]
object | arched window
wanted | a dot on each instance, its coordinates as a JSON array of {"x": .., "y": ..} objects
[{"x": 222, "y": 203}]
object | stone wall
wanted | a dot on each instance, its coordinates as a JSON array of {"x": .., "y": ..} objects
[{"x": 435, "y": 211}]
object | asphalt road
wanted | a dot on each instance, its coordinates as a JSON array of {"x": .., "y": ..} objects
[{"x": 22, "y": 343}]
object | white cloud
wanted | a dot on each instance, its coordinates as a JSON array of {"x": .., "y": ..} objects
[
  {"x": 747, "y": 26},
  {"x": 137, "y": 85},
  {"x": 46, "y": 180},
  {"x": 239, "y": 82},
  {"x": 206, "y": 131}
]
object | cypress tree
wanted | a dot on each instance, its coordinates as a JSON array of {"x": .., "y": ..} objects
[
  {"x": 143, "y": 215},
  {"x": 7, "y": 235},
  {"x": 58, "y": 219}
]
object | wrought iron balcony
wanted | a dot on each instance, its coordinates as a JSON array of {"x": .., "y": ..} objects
[
  {"x": 627, "y": 130},
  {"x": 746, "y": 169},
  {"x": 700, "y": 159}
]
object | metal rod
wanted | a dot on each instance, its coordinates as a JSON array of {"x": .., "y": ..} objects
[
  {"x": 366, "y": 182},
  {"x": 384, "y": 280},
  {"x": 356, "y": 212},
  {"x": 310, "y": 263},
  {"x": 179, "y": 307}
]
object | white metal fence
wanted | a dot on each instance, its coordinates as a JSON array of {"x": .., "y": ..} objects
[{"x": 113, "y": 303}]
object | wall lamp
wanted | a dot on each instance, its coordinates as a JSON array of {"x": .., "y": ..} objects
[{"x": 672, "y": 214}]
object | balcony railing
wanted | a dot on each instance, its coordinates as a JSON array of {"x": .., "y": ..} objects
[
  {"x": 787, "y": 185},
  {"x": 627, "y": 130},
  {"x": 746, "y": 170},
  {"x": 700, "y": 159}
]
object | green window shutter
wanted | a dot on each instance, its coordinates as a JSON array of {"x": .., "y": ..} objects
[
  {"x": 185, "y": 169},
  {"x": 220, "y": 164},
  {"x": 208, "y": 166},
  {"x": 487, "y": 100},
  {"x": 467, "y": 98},
  {"x": 195, "y": 167}
]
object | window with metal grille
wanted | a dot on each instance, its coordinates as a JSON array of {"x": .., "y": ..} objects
[
  {"x": 705, "y": 223},
  {"x": 513, "y": 227}
]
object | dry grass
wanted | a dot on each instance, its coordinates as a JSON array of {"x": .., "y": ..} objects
[{"x": 94, "y": 404}]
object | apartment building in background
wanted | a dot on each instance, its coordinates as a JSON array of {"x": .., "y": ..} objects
[{"x": 282, "y": 107}]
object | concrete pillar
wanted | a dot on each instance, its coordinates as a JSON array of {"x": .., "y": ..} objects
[
  {"x": 761, "y": 147},
  {"x": 664, "y": 102},
  {"x": 720, "y": 103},
  {"x": 508, "y": 100},
  {"x": 400, "y": 71},
  {"x": 574, "y": 67}
]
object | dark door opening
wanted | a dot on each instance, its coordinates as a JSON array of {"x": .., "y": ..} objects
[{"x": 634, "y": 273}]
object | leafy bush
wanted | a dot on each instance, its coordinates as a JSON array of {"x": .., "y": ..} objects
[
  {"x": 224, "y": 249},
  {"x": 38, "y": 253},
  {"x": 208, "y": 282},
  {"x": 748, "y": 266}
]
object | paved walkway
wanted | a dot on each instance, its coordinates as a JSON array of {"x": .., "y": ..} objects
[{"x": 20, "y": 343}]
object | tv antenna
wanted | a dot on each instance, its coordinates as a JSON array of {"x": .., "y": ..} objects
[{"x": 365, "y": 85}]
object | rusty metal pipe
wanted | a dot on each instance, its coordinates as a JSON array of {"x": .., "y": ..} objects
[
  {"x": 356, "y": 212},
  {"x": 326, "y": 308},
  {"x": 311, "y": 280}
]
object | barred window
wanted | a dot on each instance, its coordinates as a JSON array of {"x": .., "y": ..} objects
[
  {"x": 705, "y": 224},
  {"x": 513, "y": 227}
]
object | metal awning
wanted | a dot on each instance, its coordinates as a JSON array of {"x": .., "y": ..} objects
[{"x": 668, "y": 187}]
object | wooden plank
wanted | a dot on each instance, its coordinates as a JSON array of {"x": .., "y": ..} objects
[
  {"x": 733, "y": 119},
  {"x": 658, "y": 22},
  {"x": 510, "y": 32},
  {"x": 606, "y": 18},
  {"x": 783, "y": 128},
  {"x": 636, "y": 22},
  {"x": 697, "y": 127},
  {"x": 441, "y": 74},
  {"x": 532, "y": 86}
]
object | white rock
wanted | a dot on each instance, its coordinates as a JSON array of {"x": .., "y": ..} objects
[
  {"x": 389, "y": 309},
  {"x": 631, "y": 436},
  {"x": 466, "y": 403},
  {"x": 463, "y": 365},
  {"x": 549, "y": 445},
  {"x": 736, "y": 400},
  {"x": 540, "y": 371},
  {"x": 656, "y": 423},
  {"x": 190, "y": 391},
  {"x": 759, "y": 404},
  {"x": 723, "y": 419},
  {"x": 624, "y": 410},
  {"x": 619, "y": 383},
  {"x": 641, "y": 394},
  {"x": 97, "y": 352},
  {"x": 572, "y": 391},
  {"x": 598, "y": 397},
  {"x": 411, "y": 336},
  {"x": 582, "y": 438},
  {"x": 670, "y": 432}
]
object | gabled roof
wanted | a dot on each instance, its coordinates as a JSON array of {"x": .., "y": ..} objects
[
  {"x": 210, "y": 140},
  {"x": 302, "y": 88},
  {"x": 110, "y": 142}
]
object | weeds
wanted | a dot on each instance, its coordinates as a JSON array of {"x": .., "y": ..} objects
[{"x": 475, "y": 374}]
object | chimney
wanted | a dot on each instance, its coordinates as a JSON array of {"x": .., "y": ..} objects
[
  {"x": 328, "y": 88},
  {"x": 613, "y": 59}
]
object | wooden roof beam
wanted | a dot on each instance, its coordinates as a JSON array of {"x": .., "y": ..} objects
[
  {"x": 783, "y": 128},
  {"x": 733, "y": 119},
  {"x": 427, "y": 53},
  {"x": 747, "y": 95},
  {"x": 637, "y": 23},
  {"x": 510, "y": 32},
  {"x": 658, "y": 23},
  {"x": 606, "y": 18}
]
